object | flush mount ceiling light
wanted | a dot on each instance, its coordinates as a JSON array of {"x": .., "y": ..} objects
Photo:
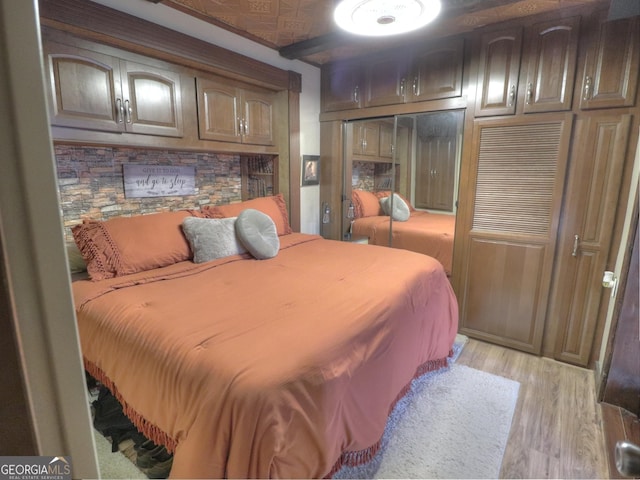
[{"x": 384, "y": 17}]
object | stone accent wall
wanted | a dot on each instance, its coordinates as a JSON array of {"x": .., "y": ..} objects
[
  {"x": 365, "y": 175},
  {"x": 91, "y": 184}
]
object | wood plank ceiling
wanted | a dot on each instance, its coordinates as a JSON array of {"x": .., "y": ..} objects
[{"x": 304, "y": 29}]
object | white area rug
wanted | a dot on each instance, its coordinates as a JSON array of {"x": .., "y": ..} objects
[{"x": 454, "y": 423}]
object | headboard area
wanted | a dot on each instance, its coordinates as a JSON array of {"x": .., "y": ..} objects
[{"x": 91, "y": 182}]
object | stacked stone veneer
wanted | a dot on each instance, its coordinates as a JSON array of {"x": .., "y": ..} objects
[
  {"x": 366, "y": 178},
  {"x": 91, "y": 184}
]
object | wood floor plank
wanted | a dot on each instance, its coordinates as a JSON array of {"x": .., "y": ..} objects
[{"x": 557, "y": 426}]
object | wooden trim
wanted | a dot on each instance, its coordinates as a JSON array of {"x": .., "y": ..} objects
[
  {"x": 106, "y": 25},
  {"x": 295, "y": 81}
]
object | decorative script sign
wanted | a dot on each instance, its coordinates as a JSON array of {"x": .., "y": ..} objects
[{"x": 158, "y": 181}]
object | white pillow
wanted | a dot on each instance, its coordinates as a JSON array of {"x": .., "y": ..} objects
[
  {"x": 400, "y": 213},
  {"x": 258, "y": 233},
  {"x": 212, "y": 238}
]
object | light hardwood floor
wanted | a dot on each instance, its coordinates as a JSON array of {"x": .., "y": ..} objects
[{"x": 557, "y": 427}]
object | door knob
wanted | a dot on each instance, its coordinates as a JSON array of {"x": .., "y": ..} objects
[{"x": 627, "y": 459}]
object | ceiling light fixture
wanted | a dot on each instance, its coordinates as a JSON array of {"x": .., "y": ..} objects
[{"x": 384, "y": 17}]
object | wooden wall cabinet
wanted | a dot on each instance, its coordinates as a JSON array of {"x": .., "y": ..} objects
[
  {"x": 436, "y": 169},
  {"x": 366, "y": 139},
  {"x": 392, "y": 78},
  {"x": 341, "y": 86},
  {"x": 610, "y": 74},
  {"x": 550, "y": 57},
  {"x": 499, "y": 66},
  {"x": 94, "y": 91},
  {"x": 230, "y": 113}
]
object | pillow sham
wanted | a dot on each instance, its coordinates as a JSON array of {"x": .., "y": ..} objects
[
  {"x": 274, "y": 206},
  {"x": 386, "y": 193},
  {"x": 212, "y": 238},
  {"x": 365, "y": 204},
  {"x": 126, "y": 245},
  {"x": 400, "y": 210},
  {"x": 257, "y": 232}
]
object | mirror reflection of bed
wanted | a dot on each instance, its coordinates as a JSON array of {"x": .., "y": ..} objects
[{"x": 421, "y": 168}]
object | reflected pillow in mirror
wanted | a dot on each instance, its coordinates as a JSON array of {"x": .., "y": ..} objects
[{"x": 400, "y": 211}]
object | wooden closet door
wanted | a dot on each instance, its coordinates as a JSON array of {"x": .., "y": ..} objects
[
  {"x": 593, "y": 189},
  {"x": 519, "y": 177}
]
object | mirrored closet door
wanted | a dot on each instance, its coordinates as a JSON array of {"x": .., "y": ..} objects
[{"x": 416, "y": 156}]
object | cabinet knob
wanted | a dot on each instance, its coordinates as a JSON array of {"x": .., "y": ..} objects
[
  {"x": 587, "y": 88},
  {"x": 576, "y": 245},
  {"x": 512, "y": 95},
  {"x": 402, "y": 85},
  {"x": 529, "y": 93},
  {"x": 119, "y": 111},
  {"x": 127, "y": 111},
  {"x": 356, "y": 94},
  {"x": 415, "y": 85}
]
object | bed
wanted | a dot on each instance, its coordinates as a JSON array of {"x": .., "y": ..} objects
[
  {"x": 423, "y": 232},
  {"x": 247, "y": 368}
]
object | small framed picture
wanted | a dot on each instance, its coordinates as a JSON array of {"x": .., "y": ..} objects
[{"x": 310, "y": 170}]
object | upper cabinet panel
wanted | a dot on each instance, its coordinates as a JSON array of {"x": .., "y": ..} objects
[
  {"x": 437, "y": 72},
  {"x": 341, "y": 87},
  {"x": 93, "y": 91},
  {"x": 82, "y": 88},
  {"x": 611, "y": 66},
  {"x": 551, "y": 52},
  {"x": 385, "y": 79},
  {"x": 229, "y": 113},
  {"x": 498, "y": 72}
]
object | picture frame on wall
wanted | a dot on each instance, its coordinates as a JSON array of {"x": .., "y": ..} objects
[{"x": 310, "y": 170}]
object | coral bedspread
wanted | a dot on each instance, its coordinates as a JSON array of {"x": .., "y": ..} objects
[
  {"x": 428, "y": 233},
  {"x": 268, "y": 368}
]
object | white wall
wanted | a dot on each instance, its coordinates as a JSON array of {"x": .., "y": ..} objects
[{"x": 309, "y": 98}]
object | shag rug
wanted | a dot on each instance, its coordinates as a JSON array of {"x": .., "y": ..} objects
[{"x": 453, "y": 423}]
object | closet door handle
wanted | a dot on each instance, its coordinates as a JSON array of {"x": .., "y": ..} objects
[
  {"x": 127, "y": 111},
  {"x": 119, "y": 111},
  {"x": 587, "y": 88},
  {"x": 576, "y": 245}
]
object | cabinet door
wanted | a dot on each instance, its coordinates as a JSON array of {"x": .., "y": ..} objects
[
  {"x": 341, "y": 86},
  {"x": 386, "y": 140},
  {"x": 591, "y": 197},
  {"x": 84, "y": 88},
  {"x": 218, "y": 114},
  {"x": 366, "y": 138},
  {"x": 435, "y": 167},
  {"x": 519, "y": 177},
  {"x": 151, "y": 99},
  {"x": 437, "y": 72},
  {"x": 611, "y": 68},
  {"x": 498, "y": 72},
  {"x": 551, "y": 57},
  {"x": 257, "y": 117},
  {"x": 385, "y": 80}
]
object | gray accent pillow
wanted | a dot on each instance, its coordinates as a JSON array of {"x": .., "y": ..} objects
[
  {"x": 400, "y": 213},
  {"x": 212, "y": 238},
  {"x": 258, "y": 233}
]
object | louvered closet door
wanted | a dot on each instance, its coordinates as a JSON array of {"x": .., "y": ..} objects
[{"x": 518, "y": 177}]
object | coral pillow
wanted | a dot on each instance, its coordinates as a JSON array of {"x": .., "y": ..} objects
[
  {"x": 273, "y": 206},
  {"x": 126, "y": 245},
  {"x": 365, "y": 204}
]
